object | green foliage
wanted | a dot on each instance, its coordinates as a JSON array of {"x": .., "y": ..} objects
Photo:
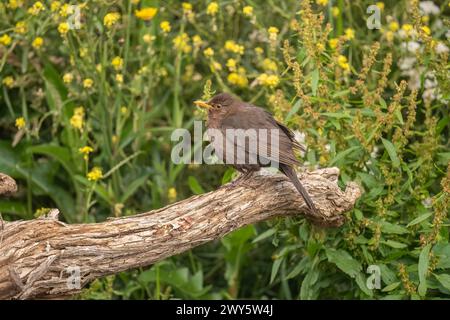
[{"x": 86, "y": 118}]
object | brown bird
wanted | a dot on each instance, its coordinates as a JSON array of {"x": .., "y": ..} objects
[{"x": 227, "y": 112}]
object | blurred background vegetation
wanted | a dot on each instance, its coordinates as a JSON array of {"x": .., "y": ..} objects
[{"x": 87, "y": 108}]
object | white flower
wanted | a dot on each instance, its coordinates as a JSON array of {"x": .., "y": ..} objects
[
  {"x": 374, "y": 152},
  {"x": 406, "y": 63},
  {"x": 414, "y": 78},
  {"x": 427, "y": 202},
  {"x": 429, "y": 94},
  {"x": 441, "y": 48},
  {"x": 430, "y": 81},
  {"x": 428, "y": 7},
  {"x": 411, "y": 46}
]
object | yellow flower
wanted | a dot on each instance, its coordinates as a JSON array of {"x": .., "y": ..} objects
[
  {"x": 427, "y": 30},
  {"x": 425, "y": 19},
  {"x": 407, "y": 28},
  {"x": 95, "y": 174},
  {"x": 55, "y": 5},
  {"x": 172, "y": 194},
  {"x": 389, "y": 36},
  {"x": 237, "y": 79},
  {"x": 20, "y": 123},
  {"x": 14, "y": 4},
  {"x": 85, "y": 151},
  {"x": 212, "y": 9},
  {"x": 335, "y": 11},
  {"x": 117, "y": 63},
  {"x": 165, "y": 26},
  {"x": 273, "y": 30},
  {"x": 5, "y": 40},
  {"x": 181, "y": 43},
  {"x": 343, "y": 63},
  {"x": 148, "y": 38},
  {"x": 146, "y": 13},
  {"x": 349, "y": 33},
  {"x": 215, "y": 66},
  {"x": 232, "y": 46},
  {"x": 8, "y": 81},
  {"x": 197, "y": 40},
  {"x": 268, "y": 80},
  {"x": 67, "y": 77},
  {"x": 119, "y": 78},
  {"x": 76, "y": 121},
  {"x": 333, "y": 43},
  {"x": 187, "y": 7},
  {"x": 259, "y": 50},
  {"x": 79, "y": 111},
  {"x": 111, "y": 19},
  {"x": 322, "y": 2},
  {"x": 36, "y": 8},
  {"x": 208, "y": 52},
  {"x": 269, "y": 65},
  {"x": 247, "y": 11},
  {"x": 231, "y": 65},
  {"x": 37, "y": 43},
  {"x": 21, "y": 27},
  {"x": 124, "y": 110},
  {"x": 63, "y": 28},
  {"x": 66, "y": 9},
  {"x": 393, "y": 26},
  {"x": 87, "y": 83},
  {"x": 380, "y": 5}
]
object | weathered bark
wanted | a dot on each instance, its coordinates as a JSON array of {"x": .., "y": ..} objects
[{"x": 35, "y": 255}]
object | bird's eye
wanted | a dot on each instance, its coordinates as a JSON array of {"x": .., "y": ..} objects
[{"x": 218, "y": 106}]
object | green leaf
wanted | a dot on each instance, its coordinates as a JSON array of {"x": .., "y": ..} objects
[
  {"x": 344, "y": 261},
  {"x": 309, "y": 280},
  {"x": 264, "y": 235},
  {"x": 424, "y": 258},
  {"x": 132, "y": 187},
  {"x": 394, "y": 244},
  {"x": 195, "y": 186},
  {"x": 362, "y": 284},
  {"x": 390, "y": 148},
  {"x": 13, "y": 207},
  {"x": 388, "y": 227},
  {"x": 391, "y": 286},
  {"x": 443, "y": 279},
  {"x": 60, "y": 154},
  {"x": 314, "y": 81},
  {"x": 419, "y": 219},
  {"x": 227, "y": 176},
  {"x": 275, "y": 267},
  {"x": 343, "y": 154},
  {"x": 293, "y": 110},
  {"x": 10, "y": 164}
]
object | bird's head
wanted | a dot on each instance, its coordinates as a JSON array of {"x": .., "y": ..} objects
[{"x": 219, "y": 104}]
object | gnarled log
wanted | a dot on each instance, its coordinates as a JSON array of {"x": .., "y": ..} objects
[{"x": 39, "y": 258}]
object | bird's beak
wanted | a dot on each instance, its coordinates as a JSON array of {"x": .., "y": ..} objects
[{"x": 202, "y": 104}]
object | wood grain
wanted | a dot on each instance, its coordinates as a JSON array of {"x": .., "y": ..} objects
[{"x": 35, "y": 255}]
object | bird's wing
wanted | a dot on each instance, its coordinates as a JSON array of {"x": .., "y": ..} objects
[{"x": 252, "y": 117}]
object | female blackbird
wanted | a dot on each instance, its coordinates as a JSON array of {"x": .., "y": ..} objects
[{"x": 227, "y": 112}]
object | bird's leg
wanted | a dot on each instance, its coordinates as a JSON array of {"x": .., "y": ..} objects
[
  {"x": 245, "y": 177},
  {"x": 242, "y": 179}
]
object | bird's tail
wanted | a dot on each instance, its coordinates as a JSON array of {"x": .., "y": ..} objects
[{"x": 290, "y": 173}]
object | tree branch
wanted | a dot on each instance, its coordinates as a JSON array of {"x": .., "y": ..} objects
[{"x": 37, "y": 257}]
